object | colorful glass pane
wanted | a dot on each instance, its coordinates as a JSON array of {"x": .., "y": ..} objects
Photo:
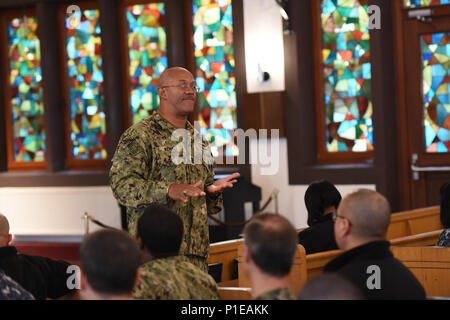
[
  {"x": 436, "y": 90},
  {"x": 214, "y": 73},
  {"x": 424, "y": 3},
  {"x": 147, "y": 55},
  {"x": 347, "y": 75},
  {"x": 26, "y": 90},
  {"x": 84, "y": 68}
]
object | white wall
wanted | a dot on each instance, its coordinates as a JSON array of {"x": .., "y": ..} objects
[
  {"x": 263, "y": 36},
  {"x": 290, "y": 199},
  {"x": 57, "y": 211}
]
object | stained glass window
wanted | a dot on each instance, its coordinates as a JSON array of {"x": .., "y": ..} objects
[
  {"x": 147, "y": 55},
  {"x": 26, "y": 90},
  {"x": 214, "y": 73},
  {"x": 84, "y": 63},
  {"x": 347, "y": 75},
  {"x": 424, "y": 3},
  {"x": 436, "y": 90}
]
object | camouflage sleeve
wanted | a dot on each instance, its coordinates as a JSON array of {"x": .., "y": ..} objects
[
  {"x": 129, "y": 174},
  {"x": 213, "y": 204}
]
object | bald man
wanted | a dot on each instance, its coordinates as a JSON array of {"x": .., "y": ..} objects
[
  {"x": 150, "y": 167},
  {"x": 41, "y": 276},
  {"x": 360, "y": 227}
]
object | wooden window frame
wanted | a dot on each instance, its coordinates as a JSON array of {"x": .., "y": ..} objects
[
  {"x": 303, "y": 160},
  {"x": 324, "y": 156},
  {"x": 11, "y": 164},
  {"x": 72, "y": 163},
  {"x": 123, "y": 4},
  {"x": 239, "y": 73}
]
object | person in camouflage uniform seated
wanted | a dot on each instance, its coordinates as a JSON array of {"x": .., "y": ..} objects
[
  {"x": 152, "y": 165},
  {"x": 166, "y": 275},
  {"x": 270, "y": 243}
]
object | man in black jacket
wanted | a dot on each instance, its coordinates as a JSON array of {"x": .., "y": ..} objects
[
  {"x": 42, "y": 277},
  {"x": 360, "y": 229}
]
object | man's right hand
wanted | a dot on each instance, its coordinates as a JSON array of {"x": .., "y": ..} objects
[{"x": 182, "y": 191}]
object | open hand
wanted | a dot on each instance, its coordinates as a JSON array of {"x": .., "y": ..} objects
[
  {"x": 182, "y": 191},
  {"x": 222, "y": 184}
]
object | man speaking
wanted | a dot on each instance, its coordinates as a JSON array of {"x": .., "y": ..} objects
[{"x": 144, "y": 171}]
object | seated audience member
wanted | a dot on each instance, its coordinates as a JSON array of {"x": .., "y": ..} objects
[
  {"x": 360, "y": 228},
  {"x": 269, "y": 250},
  {"x": 444, "y": 238},
  {"x": 11, "y": 290},
  {"x": 110, "y": 262},
  {"x": 321, "y": 200},
  {"x": 166, "y": 275},
  {"x": 329, "y": 286},
  {"x": 42, "y": 277}
]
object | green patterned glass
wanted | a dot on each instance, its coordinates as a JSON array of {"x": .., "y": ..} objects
[
  {"x": 147, "y": 52},
  {"x": 25, "y": 80},
  {"x": 84, "y": 69},
  {"x": 436, "y": 91},
  {"x": 214, "y": 73},
  {"x": 347, "y": 75}
]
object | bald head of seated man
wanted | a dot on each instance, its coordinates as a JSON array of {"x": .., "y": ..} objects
[
  {"x": 41, "y": 276},
  {"x": 360, "y": 226}
]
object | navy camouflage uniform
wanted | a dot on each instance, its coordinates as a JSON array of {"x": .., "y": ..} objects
[
  {"x": 142, "y": 170},
  {"x": 174, "y": 278}
]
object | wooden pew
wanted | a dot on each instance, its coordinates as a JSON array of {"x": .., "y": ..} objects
[
  {"x": 416, "y": 240},
  {"x": 416, "y": 221},
  {"x": 430, "y": 265},
  {"x": 225, "y": 252},
  {"x": 297, "y": 275},
  {"x": 315, "y": 262},
  {"x": 235, "y": 293}
]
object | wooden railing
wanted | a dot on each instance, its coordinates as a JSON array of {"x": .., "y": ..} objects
[
  {"x": 416, "y": 221},
  {"x": 430, "y": 265}
]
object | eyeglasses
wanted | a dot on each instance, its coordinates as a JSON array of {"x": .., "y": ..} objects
[
  {"x": 185, "y": 86},
  {"x": 335, "y": 216}
]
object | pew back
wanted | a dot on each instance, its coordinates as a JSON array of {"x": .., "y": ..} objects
[
  {"x": 297, "y": 275},
  {"x": 415, "y": 221},
  {"x": 430, "y": 265},
  {"x": 225, "y": 252},
  {"x": 235, "y": 293}
]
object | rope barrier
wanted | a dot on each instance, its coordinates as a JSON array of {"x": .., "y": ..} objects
[{"x": 273, "y": 196}]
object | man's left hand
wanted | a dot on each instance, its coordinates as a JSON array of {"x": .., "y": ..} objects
[{"x": 222, "y": 184}]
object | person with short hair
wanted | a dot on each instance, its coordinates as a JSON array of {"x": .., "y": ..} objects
[
  {"x": 321, "y": 200},
  {"x": 110, "y": 262},
  {"x": 329, "y": 286},
  {"x": 360, "y": 228},
  {"x": 166, "y": 275},
  {"x": 270, "y": 243},
  {"x": 41, "y": 276},
  {"x": 444, "y": 237}
]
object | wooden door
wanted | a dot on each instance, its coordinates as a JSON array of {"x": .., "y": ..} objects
[{"x": 427, "y": 88}]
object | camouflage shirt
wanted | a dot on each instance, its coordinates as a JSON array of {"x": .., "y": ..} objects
[
  {"x": 276, "y": 294},
  {"x": 174, "y": 278},
  {"x": 11, "y": 290},
  {"x": 142, "y": 170}
]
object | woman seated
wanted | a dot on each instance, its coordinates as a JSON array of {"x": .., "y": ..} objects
[
  {"x": 321, "y": 200},
  {"x": 444, "y": 238}
]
